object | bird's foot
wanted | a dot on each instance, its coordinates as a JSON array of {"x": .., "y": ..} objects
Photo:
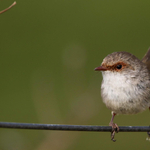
[
  {"x": 148, "y": 138},
  {"x": 115, "y": 129},
  {"x": 148, "y": 134}
]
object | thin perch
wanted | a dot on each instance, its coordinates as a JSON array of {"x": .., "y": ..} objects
[
  {"x": 72, "y": 127},
  {"x": 8, "y": 8}
]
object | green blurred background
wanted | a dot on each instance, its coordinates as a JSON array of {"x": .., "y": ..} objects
[{"x": 48, "y": 52}]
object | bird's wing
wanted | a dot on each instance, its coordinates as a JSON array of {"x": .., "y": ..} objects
[{"x": 146, "y": 59}]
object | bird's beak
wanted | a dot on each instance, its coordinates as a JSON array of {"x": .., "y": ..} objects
[{"x": 101, "y": 68}]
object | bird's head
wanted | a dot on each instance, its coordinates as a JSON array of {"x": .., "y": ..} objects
[{"x": 121, "y": 63}]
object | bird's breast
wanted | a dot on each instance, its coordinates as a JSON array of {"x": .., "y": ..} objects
[{"x": 120, "y": 94}]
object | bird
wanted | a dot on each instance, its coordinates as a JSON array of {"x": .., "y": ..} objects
[{"x": 125, "y": 88}]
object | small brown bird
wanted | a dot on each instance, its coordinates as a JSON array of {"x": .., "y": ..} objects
[{"x": 125, "y": 88}]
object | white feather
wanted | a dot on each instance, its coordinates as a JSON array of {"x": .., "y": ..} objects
[{"x": 120, "y": 95}]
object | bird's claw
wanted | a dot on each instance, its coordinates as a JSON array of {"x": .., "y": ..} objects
[
  {"x": 148, "y": 134},
  {"x": 115, "y": 129},
  {"x": 113, "y": 135},
  {"x": 148, "y": 138}
]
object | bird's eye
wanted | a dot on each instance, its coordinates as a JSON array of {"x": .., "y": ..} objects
[{"x": 119, "y": 66}]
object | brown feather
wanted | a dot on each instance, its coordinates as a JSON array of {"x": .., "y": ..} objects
[{"x": 146, "y": 59}]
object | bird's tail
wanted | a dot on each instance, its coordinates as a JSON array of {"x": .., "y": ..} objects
[{"x": 146, "y": 59}]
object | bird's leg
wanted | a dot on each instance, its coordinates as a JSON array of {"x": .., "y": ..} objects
[
  {"x": 148, "y": 132},
  {"x": 114, "y": 126}
]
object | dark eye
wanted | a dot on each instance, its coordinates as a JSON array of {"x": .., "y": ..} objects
[{"x": 119, "y": 66}]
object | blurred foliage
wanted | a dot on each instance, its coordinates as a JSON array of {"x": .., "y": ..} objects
[{"x": 48, "y": 53}]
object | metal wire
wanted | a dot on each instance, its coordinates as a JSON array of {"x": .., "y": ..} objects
[{"x": 72, "y": 127}]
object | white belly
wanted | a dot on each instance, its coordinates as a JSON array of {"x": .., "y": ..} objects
[{"x": 120, "y": 95}]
